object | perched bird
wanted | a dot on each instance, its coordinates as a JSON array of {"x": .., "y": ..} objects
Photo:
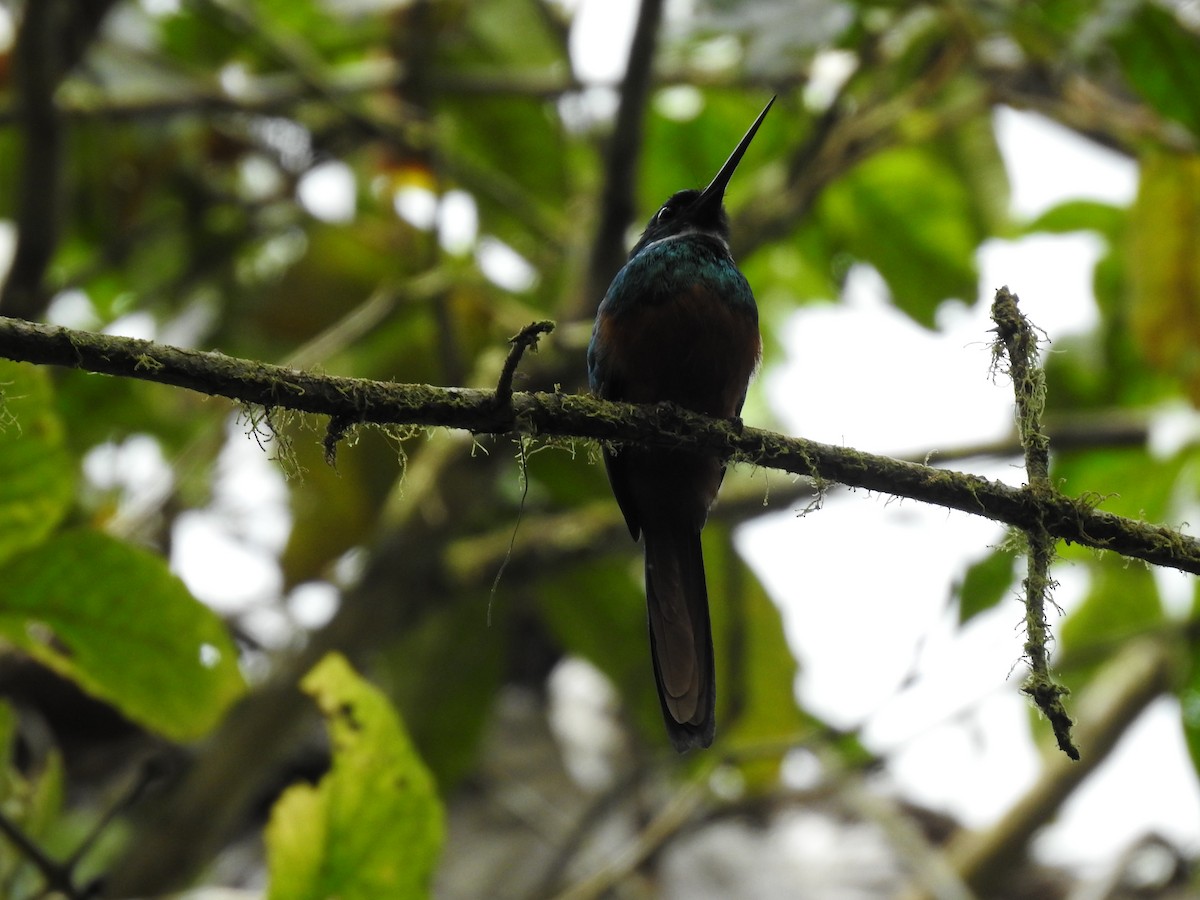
[{"x": 678, "y": 324}]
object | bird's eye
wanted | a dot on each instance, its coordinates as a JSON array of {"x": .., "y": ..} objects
[{"x": 665, "y": 214}]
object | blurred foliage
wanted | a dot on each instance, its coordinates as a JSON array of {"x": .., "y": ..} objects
[
  {"x": 33, "y": 797},
  {"x": 986, "y": 582},
  {"x": 38, "y": 475},
  {"x": 196, "y": 136}
]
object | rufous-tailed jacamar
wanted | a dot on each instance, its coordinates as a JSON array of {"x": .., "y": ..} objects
[{"x": 678, "y": 324}]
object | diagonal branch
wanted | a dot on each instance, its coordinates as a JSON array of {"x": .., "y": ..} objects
[
  {"x": 1121, "y": 691},
  {"x": 576, "y": 416},
  {"x": 57, "y": 876}
]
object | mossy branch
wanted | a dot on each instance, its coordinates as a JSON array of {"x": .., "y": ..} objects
[
  {"x": 355, "y": 400},
  {"x": 1016, "y": 341}
]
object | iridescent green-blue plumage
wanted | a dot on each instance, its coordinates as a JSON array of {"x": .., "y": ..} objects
[{"x": 678, "y": 324}]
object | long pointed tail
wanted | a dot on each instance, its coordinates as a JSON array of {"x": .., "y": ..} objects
[{"x": 681, "y": 636}]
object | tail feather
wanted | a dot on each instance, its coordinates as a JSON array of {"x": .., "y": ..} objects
[{"x": 681, "y": 636}]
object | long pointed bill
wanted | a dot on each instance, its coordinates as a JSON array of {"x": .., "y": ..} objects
[{"x": 715, "y": 191}]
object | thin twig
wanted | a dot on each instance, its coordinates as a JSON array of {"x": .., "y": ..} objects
[
  {"x": 586, "y": 826},
  {"x": 149, "y": 772},
  {"x": 928, "y": 867},
  {"x": 677, "y": 812},
  {"x": 523, "y": 456},
  {"x": 525, "y": 339},
  {"x": 1016, "y": 340}
]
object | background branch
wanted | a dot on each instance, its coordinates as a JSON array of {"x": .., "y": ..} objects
[
  {"x": 52, "y": 38},
  {"x": 38, "y": 184},
  {"x": 621, "y": 159},
  {"x": 1125, "y": 687}
]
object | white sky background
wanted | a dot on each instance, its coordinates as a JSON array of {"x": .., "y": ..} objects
[{"x": 958, "y": 732}]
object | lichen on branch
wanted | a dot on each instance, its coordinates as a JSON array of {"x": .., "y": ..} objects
[
  {"x": 1017, "y": 342},
  {"x": 360, "y": 401}
]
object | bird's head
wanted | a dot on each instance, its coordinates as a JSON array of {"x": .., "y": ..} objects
[{"x": 699, "y": 212}]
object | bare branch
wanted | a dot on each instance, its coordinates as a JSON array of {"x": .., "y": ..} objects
[{"x": 525, "y": 339}]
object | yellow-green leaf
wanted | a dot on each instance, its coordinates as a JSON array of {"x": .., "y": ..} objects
[
  {"x": 373, "y": 826},
  {"x": 1161, "y": 57},
  {"x": 1164, "y": 266}
]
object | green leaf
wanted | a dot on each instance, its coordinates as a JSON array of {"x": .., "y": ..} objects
[
  {"x": 785, "y": 272},
  {"x": 335, "y": 508},
  {"x": 597, "y": 610},
  {"x": 201, "y": 39},
  {"x": 1164, "y": 267},
  {"x": 373, "y": 826},
  {"x": 31, "y": 796},
  {"x": 1123, "y": 602},
  {"x": 112, "y": 618},
  {"x": 37, "y": 477},
  {"x": 756, "y": 670},
  {"x": 1081, "y": 215},
  {"x": 511, "y": 30},
  {"x": 1161, "y": 58},
  {"x": 908, "y": 214},
  {"x": 447, "y": 728},
  {"x": 985, "y": 583},
  {"x": 1126, "y": 481},
  {"x": 687, "y": 153},
  {"x": 973, "y": 152},
  {"x": 41, "y": 800},
  {"x": 1044, "y": 29}
]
